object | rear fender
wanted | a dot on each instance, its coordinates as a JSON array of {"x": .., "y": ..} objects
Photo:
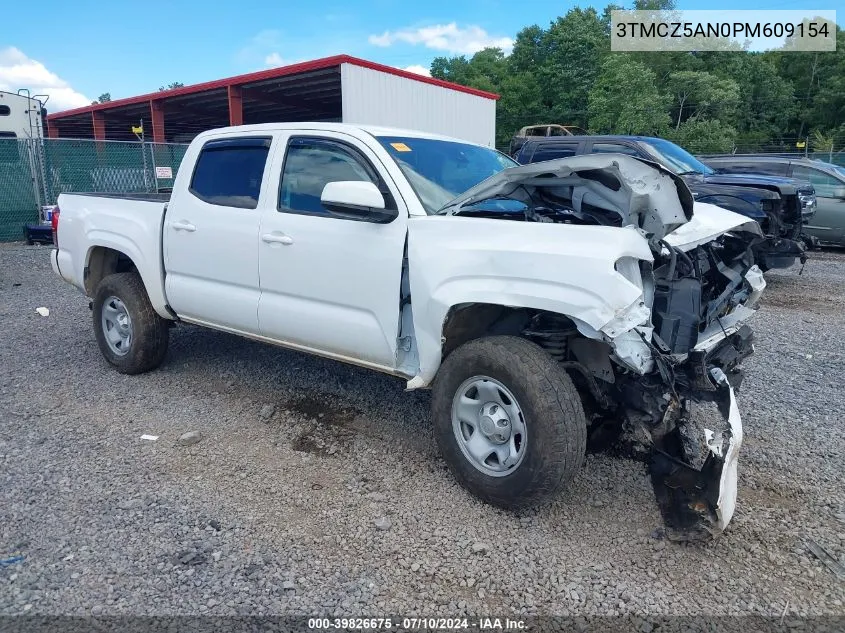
[{"x": 147, "y": 265}]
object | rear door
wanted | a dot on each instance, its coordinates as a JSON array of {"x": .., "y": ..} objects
[
  {"x": 211, "y": 234},
  {"x": 828, "y": 223},
  {"x": 330, "y": 284}
]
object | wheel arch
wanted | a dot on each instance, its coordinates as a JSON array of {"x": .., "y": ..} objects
[
  {"x": 105, "y": 257},
  {"x": 464, "y": 322}
]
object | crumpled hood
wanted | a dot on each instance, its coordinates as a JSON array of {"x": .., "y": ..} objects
[
  {"x": 641, "y": 192},
  {"x": 708, "y": 222}
]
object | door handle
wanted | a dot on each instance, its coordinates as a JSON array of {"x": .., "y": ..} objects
[
  {"x": 277, "y": 238},
  {"x": 184, "y": 225}
]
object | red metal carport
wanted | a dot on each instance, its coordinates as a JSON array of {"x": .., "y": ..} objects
[{"x": 308, "y": 91}]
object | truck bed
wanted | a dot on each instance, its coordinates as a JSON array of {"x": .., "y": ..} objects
[{"x": 129, "y": 223}]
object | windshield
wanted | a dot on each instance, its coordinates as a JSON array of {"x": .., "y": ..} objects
[
  {"x": 676, "y": 159},
  {"x": 441, "y": 170}
]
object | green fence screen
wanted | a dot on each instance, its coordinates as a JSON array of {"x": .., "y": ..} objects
[
  {"x": 18, "y": 201},
  {"x": 33, "y": 172}
]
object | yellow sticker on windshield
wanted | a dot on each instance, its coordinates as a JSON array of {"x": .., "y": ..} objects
[{"x": 400, "y": 147}]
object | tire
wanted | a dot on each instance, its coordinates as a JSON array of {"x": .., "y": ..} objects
[
  {"x": 555, "y": 426},
  {"x": 123, "y": 294}
]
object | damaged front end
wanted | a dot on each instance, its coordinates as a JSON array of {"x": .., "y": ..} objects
[
  {"x": 646, "y": 369},
  {"x": 670, "y": 370},
  {"x": 703, "y": 296}
]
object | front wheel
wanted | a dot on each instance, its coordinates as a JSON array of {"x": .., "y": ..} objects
[
  {"x": 508, "y": 421},
  {"x": 129, "y": 332}
]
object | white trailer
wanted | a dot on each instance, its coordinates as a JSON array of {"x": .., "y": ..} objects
[{"x": 21, "y": 115}]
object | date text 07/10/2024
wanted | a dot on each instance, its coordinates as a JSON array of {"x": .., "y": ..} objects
[{"x": 416, "y": 624}]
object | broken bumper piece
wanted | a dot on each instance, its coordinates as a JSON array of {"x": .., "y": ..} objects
[
  {"x": 778, "y": 252},
  {"x": 694, "y": 470}
]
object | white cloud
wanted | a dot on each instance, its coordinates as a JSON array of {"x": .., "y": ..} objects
[
  {"x": 261, "y": 47},
  {"x": 262, "y": 51},
  {"x": 444, "y": 37},
  {"x": 420, "y": 70},
  {"x": 19, "y": 71},
  {"x": 274, "y": 59}
]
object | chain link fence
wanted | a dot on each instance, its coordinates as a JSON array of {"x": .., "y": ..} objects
[{"x": 33, "y": 172}]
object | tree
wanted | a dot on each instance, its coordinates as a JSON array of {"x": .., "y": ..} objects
[
  {"x": 704, "y": 136},
  {"x": 171, "y": 86},
  {"x": 819, "y": 84},
  {"x": 625, "y": 100},
  {"x": 823, "y": 143},
  {"x": 575, "y": 47},
  {"x": 565, "y": 73},
  {"x": 766, "y": 101},
  {"x": 103, "y": 98},
  {"x": 704, "y": 95},
  {"x": 529, "y": 50}
]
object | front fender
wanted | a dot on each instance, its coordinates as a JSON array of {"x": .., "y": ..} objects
[{"x": 565, "y": 269}]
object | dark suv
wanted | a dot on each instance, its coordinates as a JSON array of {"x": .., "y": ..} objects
[
  {"x": 828, "y": 224},
  {"x": 781, "y": 205}
]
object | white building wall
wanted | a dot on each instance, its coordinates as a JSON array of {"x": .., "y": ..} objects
[{"x": 372, "y": 97}]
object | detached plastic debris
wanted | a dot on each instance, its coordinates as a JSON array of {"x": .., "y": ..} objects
[
  {"x": 150, "y": 438},
  {"x": 826, "y": 558},
  {"x": 6, "y": 562},
  {"x": 12, "y": 558},
  {"x": 45, "y": 312}
]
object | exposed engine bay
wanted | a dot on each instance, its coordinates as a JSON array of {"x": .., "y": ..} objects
[{"x": 639, "y": 384}]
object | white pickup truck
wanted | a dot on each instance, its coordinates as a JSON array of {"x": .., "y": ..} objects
[{"x": 545, "y": 305}]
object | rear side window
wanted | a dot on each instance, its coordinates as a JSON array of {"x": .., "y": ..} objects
[
  {"x": 552, "y": 151},
  {"x": 5, "y": 110},
  {"x": 310, "y": 164},
  {"x": 229, "y": 171},
  {"x": 614, "y": 148}
]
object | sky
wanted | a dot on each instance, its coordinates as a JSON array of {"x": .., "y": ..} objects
[{"x": 75, "y": 51}]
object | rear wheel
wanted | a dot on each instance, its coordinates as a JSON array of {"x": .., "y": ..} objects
[
  {"x": 508, "y": 421},
  {"x": 130, "y": 334}
]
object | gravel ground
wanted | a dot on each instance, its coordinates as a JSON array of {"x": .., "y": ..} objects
[{"x": 316, "y": 488}]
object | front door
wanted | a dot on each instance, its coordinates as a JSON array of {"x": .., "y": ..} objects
[
  {"x": 330, "y": 284},
  {"x": 211, "y": 235},
  {"x": 828, "y": 223}
]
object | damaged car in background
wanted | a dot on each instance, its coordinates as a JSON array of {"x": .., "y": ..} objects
[
  {"x": 543, "y": 305},
  {"x": 782, "y": 206},
  {"x": 675, "y": 334}
]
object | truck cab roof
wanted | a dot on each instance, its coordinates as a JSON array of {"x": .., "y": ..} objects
[{"x": 354, "y": 130}]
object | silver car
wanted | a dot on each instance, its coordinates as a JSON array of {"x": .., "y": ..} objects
[{"x": 828, "y": 223}]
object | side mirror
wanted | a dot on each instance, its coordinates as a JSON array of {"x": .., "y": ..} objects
[{"x": 356, "y": 200}]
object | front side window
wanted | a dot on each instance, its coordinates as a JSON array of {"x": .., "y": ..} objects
[
  {"x": 312, "y": 163},
  {"x": 815, "y": 176},
  {"x": 676, "y": 159},
  {"x": 229, "y": 171},
  {"x": 440, "y": 170}
]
